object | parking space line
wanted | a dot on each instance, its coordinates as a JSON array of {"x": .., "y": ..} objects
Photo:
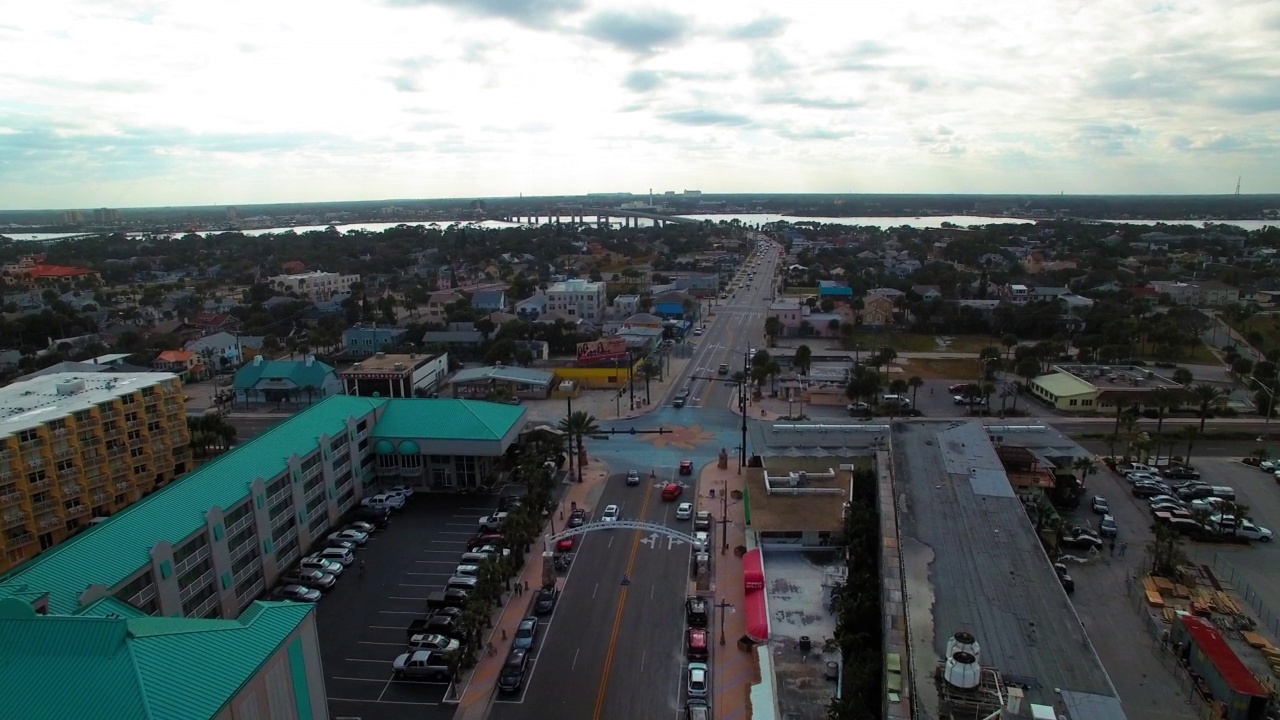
[
  {"x": 412, "y": 585},
  {"x": 451, "y": 552},
  {"x": 459, "y": 525},
  {"x": 371, "y": 642},
  {"x": 398, "y": 612},
  {"x": 380, "y": 702},
  {"x": 452, "y": 532},
  {"x": 339, "y": 677},
  {"x": 477, "y": 509},
  {"x": 384, "y": 662},
  {"x": 430, "y": 574},
  {"x": 416, "y": 599},
  {"x": 437, "y": 562}
]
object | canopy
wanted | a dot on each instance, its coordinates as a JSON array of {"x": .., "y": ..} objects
[
  {"x": 753, "y": 570},
  {"x": 384, "y": 447},
  {"x": 757, "y": 615},
  {"x": 409, "y": 447}
]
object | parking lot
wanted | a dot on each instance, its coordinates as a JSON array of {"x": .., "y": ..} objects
[{"x": 362, "y": 621}]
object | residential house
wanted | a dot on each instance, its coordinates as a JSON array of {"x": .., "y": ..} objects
[
  {"x": 214, "y": 322},
  {"x": 902, "y": 267},
  {"x": 1179, "y": 293},
  {"x": 183, "y": 363},
  {"x": 458, "y": 335},
  {"x": 985, "y": 308},
  {"x": 276, "y": 381},
  {"x": 578, "y": 298},
  {"x": 365, "y": 339},
  {"x": 893, "y": 294},
  {"x": 928, "y": 293},
  {"x": 315, "y": 285},
  {"x": 626, "y": 305},
  {"x": 820, "y": 324},
  {"x": 789, "y": 314},
  {"x": 332, "y": 305},
  {"x": 642, "y": 320},
  {"x": 533, "y": 306},
  {"x": 834, "y": 290},
  {"x": 877, "y": 311},
  {"x": 436, "y": 304},
  {"x": 490, "y": 300},
  {"x": 223, "y": 349},
  {"x": 1017, "y": 294},
  {"x": 698, "y": 284},
  {"x": 1215, "y": 293}
]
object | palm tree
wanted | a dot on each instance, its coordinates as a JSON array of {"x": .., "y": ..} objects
[
  {"x": 803, "y": 359},
  {"x": 1162, "y": 399},
  {"x": 1008, "y": 341},
  {"x": 915, "y": 382},
  {"x": 772, "y": 329},
  {"x": 1189, "y": 433},
  {"x": 577, "y": 426},
  {"x": 1208, "y": 397}
]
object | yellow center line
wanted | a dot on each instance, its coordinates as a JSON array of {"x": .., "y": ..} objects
[{"x": 617, "y": 616}]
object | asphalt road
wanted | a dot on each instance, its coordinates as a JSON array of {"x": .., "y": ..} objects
[{"x": 613, "y": 650}]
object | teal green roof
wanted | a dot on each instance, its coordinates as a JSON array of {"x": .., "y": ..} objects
[
  {"x": 150, "y": 668},
  {"x": 296, "y": 371},
  {"x": 112, "y": 551},
  {"x": 445, "y": 419},
  {"x": 409, "y": 447},
  {"x": 384, "y": 447}
]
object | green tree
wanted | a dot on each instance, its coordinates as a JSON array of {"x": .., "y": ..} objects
[
  {"x": 577, "y": 426},
  {"x": 803, "y": 359},
  {"x": 1009, "y": 341},
  {"x": 1208, "y": 398},
  {"x": 772, "y": 329},
  {"x": 1183, "y": 376},
  {"x": 1162, "y": 399},
  {"x": 915, "y": 382}
]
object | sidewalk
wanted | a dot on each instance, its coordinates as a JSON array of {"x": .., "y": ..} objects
[
  {"x": 733, "y": 671},
  {"x": 479, "y": 684}
]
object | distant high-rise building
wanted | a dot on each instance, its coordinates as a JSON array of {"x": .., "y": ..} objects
[
  {"x": 106, "y": 215},
  {"x": 233, "y": 214},
  {"x": 72, "y": 217}
]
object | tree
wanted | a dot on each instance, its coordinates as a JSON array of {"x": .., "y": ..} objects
[
  {"x": 1166, "y": 551},
  {"x": 1183, "y": 376},
  {"x": 577, "y": 426},
  {"x": 772, "y": 329},
  {"x": 915, "y": 382},
  {"x": 1008, "y": 341},
  {"x": 1208, "y": 397},
  {"x": 1189, "y": 433},
  {"x": 803, "y": 359}
]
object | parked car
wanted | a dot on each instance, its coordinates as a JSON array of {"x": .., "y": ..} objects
[
  {"x": 1107, "y": 527},
  {"x": 378, "y": 515},
  {"x": 1064, "y": 577},
  {"x": 1157, "y": 499},
  {"x": 702, "y": 521},
  {"x": 857, "y": 407},
  {"x": 340, "y": 555},
  {"x": 492, "y": 523},
  {"x": 1136, "y": 476},
  {"x": 633, "y": 477},
  {"x": 1148, "y": 489},
  {"x": 1081, "y": 541},
  {"x": 564, "y": 545},
  {"x": 361, "y": 526},
  {"x": 404, "y": 490},
  {"x": 462, "y": 582},
  {"x": 325, "y": 566},
  {"x": 344, "y": 544},
  {"x": 507, "y": 503},
  {"x": 526, "y": 634},
  {"x": 1195, "y": 492},
  {"x": 671, "y": 491},
  {"x": 354, "y": 536},
  {"x": 699, "y": 685},
  {"x": 296, "y": 593},
  {"x": 696, "y": 611},
  {"x": 577, "y": 518},
  {"x": 610, "y": 514},
  {"x": 309, "y": 578},
  {"x": 701, "y": 540},
  {"x": 684, "y": 511},
  {"x": 545, "y": 601},
  {"x": 391, "y": 500},
  {"x": 1099, "y": 505},
  {"x": 1179, "y": 473},
  {"x": 1246, "y": 529},
  {"x": 1168, "y": 507},
  {"x": 434, "y": 642},
  {"x": 511, "y": 677},
  {"x": 686, "y": 467},
  {"x": 1186, "y": 526},
  {"x": 485, "y": 538},
  {"x": 695, "y": 644},
  {"x": 422, "y": 663}
]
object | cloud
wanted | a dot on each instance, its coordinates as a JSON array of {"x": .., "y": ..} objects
[
  {"x": 810, "y": 103},
  {"x": 642, "y": 33},
  {"x": 764, "y": 28},
  {"x": 768, "y": 64},
  {"x": 118, "y": 85},
  {"x": 643, "y": 81},
  {"x": 1110, "y": 138},
  {"x": 859, "y": 57},
  {"x": 408, "y": 77},
  {"x": 703, "y": 118},
  {"x": 805, "y": 134},
  {"x": 529, "y": 13}
]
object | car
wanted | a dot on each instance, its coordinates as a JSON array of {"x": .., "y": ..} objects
[
  {"x": 344, "y": 544},
  {"x": 697, "y": 331},
  {"x": 695, "y": 644},
  {"x": 462, "y": 582},
  {"x": 686, "y": 467},
  {"x": 633, "y": 477},
  {"x": 699, "y": 685},
  {"x": 367, "y": 528},
  {"x": 507, "y": 503},
  {"x": 696, "y": 611},
  {"x": 577, "y": 518},
  {"x": 1209, "y": 504},
  {"x": 404, "y": 490},
  {"x": 422, "y": 663},
  {"x": 1165, "y": 499},
  {"x": 490, "y": 523},
  {"x": 445, "y": 625},
  {"x": 671, "y": 491},
  {"x": 1141, "y": 467},
  {"x": 1195, "y": 492},
  {"x": 1081, "y": 541},
  {"x": 1150, "y": 489},
  {"x": 297, "y": 593},
  {"x": 1179, "y": 473},
  {"x": 1136, "y": 476},
  {"x": 610, "y": 514},
  {"x": 564, "y": 545},
  {"x": 393, "y": 501},
  {"x": 354, "y": 536},
  {"x": 511, "y": 677},
  {"x": 701, "y": 540},
  {"x": 1068, "y": 584},
  {"x": 343, "y": 556},
  {"x": 310, "y": 578},
  {"x": 1107, "y": 527},
  {"x": 681, "y": 398},
  {"x": 545, "y": 601},
  {"x": 379, "y": 515},
  {"x": 526, "y": 634},
  {"x": 724, "y": 367},
  {"x": 968, "y": 400},
  {"x": 1164, "y": 516},
  {"x": 325, "y": 566},
  {"x": 485, "y": 538},
  {"x": 1246, "y": 529},
  {"x": 684, "y": 511},
  {"x": 956, "y": 388},
  {"x": 1168, "y": 507},
  {"x": 1099, "y": 505},
  {"x": 467, "y": 570},
  {"x": 702, "y": 521},
  {"x": 857, "y": 407},
  {"x": 1185, "y": 526},
  {"x": 433, "y": 642}
]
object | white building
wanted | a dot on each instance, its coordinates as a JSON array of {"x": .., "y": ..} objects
[
  {"x": 578, "y": 299},
  {"x": 316, "y": 285}
]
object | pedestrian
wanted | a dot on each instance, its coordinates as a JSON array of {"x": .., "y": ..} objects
[
  {"x": 526, "y": 586},
  {"x": 361, "y": 568},
  {"x": 1123, "y": 546},
  {"x": 1113, "y": 548}
]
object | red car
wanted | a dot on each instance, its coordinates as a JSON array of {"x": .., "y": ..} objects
[
  {"x": 566, "y": 545},
  {"x": 686, "y": 467},
  {"x": 958, "y": 387},
  {"x": 695, "y": 647},
  {"x": 671, "y": 491},
  {"x": 484, "y": 539}
]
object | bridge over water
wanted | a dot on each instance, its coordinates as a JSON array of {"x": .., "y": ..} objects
[{"x": 579, "y": 213}]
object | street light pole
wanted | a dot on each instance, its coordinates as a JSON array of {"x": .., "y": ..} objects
[{"x": 724, "y": 605}]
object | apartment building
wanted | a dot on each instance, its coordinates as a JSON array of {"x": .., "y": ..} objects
[
  {"x": 77, "y": 446},
  {"x": 316, "y": 285},
  {"x": 578, "y": 299}
]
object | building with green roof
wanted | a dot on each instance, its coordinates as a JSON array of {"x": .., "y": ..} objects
[
  {"x": 125, "y": 665},
  {"x": 1097, "y": 388},
  {"x": 265, "y": 380}
]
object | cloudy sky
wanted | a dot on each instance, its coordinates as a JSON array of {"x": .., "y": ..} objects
[{"x": 134, "y": 102}]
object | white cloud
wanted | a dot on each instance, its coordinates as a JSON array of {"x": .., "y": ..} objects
[{"x": 137, "y": 102}]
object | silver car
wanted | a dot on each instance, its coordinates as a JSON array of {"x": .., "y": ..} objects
[{"x": 699, "y": 685}]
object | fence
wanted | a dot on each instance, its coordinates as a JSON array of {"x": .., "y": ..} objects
[
  {"x": 1163, "y": 653},
  {"x": 1228, "y": 573}
]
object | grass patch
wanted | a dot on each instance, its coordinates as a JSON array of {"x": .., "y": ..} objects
[
  {"x": 1266, "y": 325},
  {"x": 960, "y": 369},
  {"x": 971, "y": 343},
  {"x": 1198, "y": 355},
  {"x": 902, "y": 342}
]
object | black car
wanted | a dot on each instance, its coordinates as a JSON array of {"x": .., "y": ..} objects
[
  {"x": 509, "y": 503},
  {"x": 1195, "y": 492},
  {"x": 512, "y": 676},
  {"x": 379, "y": 516},
  {"x": 1065, "y": 578},
  {"x": 1186, "y": 526},
  {"x": 545, "y": 602},
  {"x": 696, "y": 611},
  {"x": 577, "y": 518},
  {"x": 1149, "y": 490},
  {"x": 1180, "y": 473}
]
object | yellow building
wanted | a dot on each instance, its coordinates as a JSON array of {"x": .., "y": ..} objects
[
  {"x": 1094, "y": 388},
  {"x": 75, "y": 446}
]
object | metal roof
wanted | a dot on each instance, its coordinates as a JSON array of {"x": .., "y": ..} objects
[
  {"x": 112, "y": 551},
  {"x": 447, "y": 419},
  {"x": 1064, "y": 385},
  {"x": 508, "y": 374},
  {"x": 149, "y": 668}
]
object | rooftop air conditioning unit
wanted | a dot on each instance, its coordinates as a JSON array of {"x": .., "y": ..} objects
[
  {"x": 963, "y": 672},
  {"x": 964, "y": 641},
  {"x": 399, "y": 366}
]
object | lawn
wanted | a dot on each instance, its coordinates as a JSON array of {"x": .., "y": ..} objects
[
  {"x": 918, "y": 342},
  {"x": 1265, "y": 324},
  {"x": 1198, "y": 355},
  {"x": 955, "y": 369}
]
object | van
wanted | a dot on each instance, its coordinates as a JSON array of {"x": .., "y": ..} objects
[
  {"x": 896, "y": 400},
  {"x": 337, "y": 554},
  {"x": 698, "y": 710},
  {"x": 462, "y": 582},
  {"x": 1224, "y": 492}
]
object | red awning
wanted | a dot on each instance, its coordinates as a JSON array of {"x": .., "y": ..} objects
[
  {"x": 757, "y": 615},
  {"x": 753, "y": 570},
  {"x": 1237, "y": 675}
]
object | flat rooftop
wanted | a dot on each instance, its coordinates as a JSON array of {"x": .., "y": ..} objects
[
  {"x": 387, "y": 363},
  {"x": 1130, "y": 375},
  {"x": 31, "y": 403},
  {"x": 800, "y": 512},
  {"x": 799, "y": 587},
  {"x": 974, "y": 563},
  {"x": 817, "y": 439}
]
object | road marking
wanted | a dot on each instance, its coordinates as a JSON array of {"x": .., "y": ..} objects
[
  {"x": 386, "y": 627},
  {"x": 371, "y": 642},
  {"x": 339, "y": 677},
  {"x": 393, "y": 597},
  {"x": 575, "y": 657},
  {"x": 617, "y": 617},
  {"x": 377, "y": 702},
  {"x": 398, "y": 612},
  {"x": 594, "y": 590},
  {"x": 384, "y": 662},
  {"x": 418, "y": 574},
  {"x": 642, "y": 661}
]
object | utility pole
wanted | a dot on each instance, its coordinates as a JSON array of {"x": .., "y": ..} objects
[
  {"x": 742, "y": 406},
  {"x": 631, "y": 380},
  {"x": 724, "y": 516},
  {"x": 724, "y": 606}
]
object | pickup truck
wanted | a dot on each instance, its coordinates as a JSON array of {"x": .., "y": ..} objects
[
  {"x": 447, "y": 598},
  {"x": 422, "y": 663},
  {"x": 494, "y": 522}
]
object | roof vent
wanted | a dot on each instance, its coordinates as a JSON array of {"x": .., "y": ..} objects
[
  {"x": 963, "y": 671},
  {"x": 70, "y": 387},
  {"x": 380, "y": 355},
  {"x": 398, "y": 366}
]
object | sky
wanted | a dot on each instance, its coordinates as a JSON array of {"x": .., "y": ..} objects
[{"x": 125, "y": 103}]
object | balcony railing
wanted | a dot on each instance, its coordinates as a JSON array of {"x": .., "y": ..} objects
[
  {"x": 11, "y": 499},
  {"x": 65, "y": 452},
  {"x": 195, "y": 585},
  {"x": 38, "y": 485},
  {"x": 109, "y": 415},
  {"x": 13, "y": 518},
  {"x": 124, "y": 486},
  {"x": 43, "y": 506},
  {"x": 77, "y": 511},
  {"x": 191, "y": 560},
  {"x": 100, "y": 498},
  {"x": 134, "y": 424},
  {"x": 49, "y": 522},
  {"x": 19, "y": 541},
  {"x": 69, "y": 489}
]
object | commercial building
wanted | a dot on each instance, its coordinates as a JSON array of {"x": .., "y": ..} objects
[
  {"x": 502, "y": 383},
  {"x": 316, "y": 285},
  {"x": 1091, "y": 388},
  {"x": 396, "y": 376},
  {"x": 579, "y": 299},
  {"x": 75, "y": 446},
  {"x": 276, "y": 381},
  {"x": 366, "y": 339}
]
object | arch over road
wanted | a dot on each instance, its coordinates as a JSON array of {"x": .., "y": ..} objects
[{"x": 551, "y": 540}]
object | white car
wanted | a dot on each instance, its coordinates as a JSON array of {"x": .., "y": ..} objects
[
  {"x": 342, "y": 556},
  {"x": 404, "y": 490},
  {"x": 1209, "y": 504},
  {"x": 391, "y": 500},
  {"x": 1247, "y": 529},
  {"x": 1135, "y": 476},
  {"x": 354, "y": 536},
  {"x": 435, "y": 643},
  {"x": 684, "y": 511},
  {"x": 611, "y": 513},
  {"x": 701, "y": 540},
  {"x": 318, "y": 563},
  {"x": 362, "y": 526}
]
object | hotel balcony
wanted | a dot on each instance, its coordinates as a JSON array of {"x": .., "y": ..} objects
[
  {"x": 19, "y": 541},
  {"x": 11, "y": 499},
  {"x": 38, "y": 485}
]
